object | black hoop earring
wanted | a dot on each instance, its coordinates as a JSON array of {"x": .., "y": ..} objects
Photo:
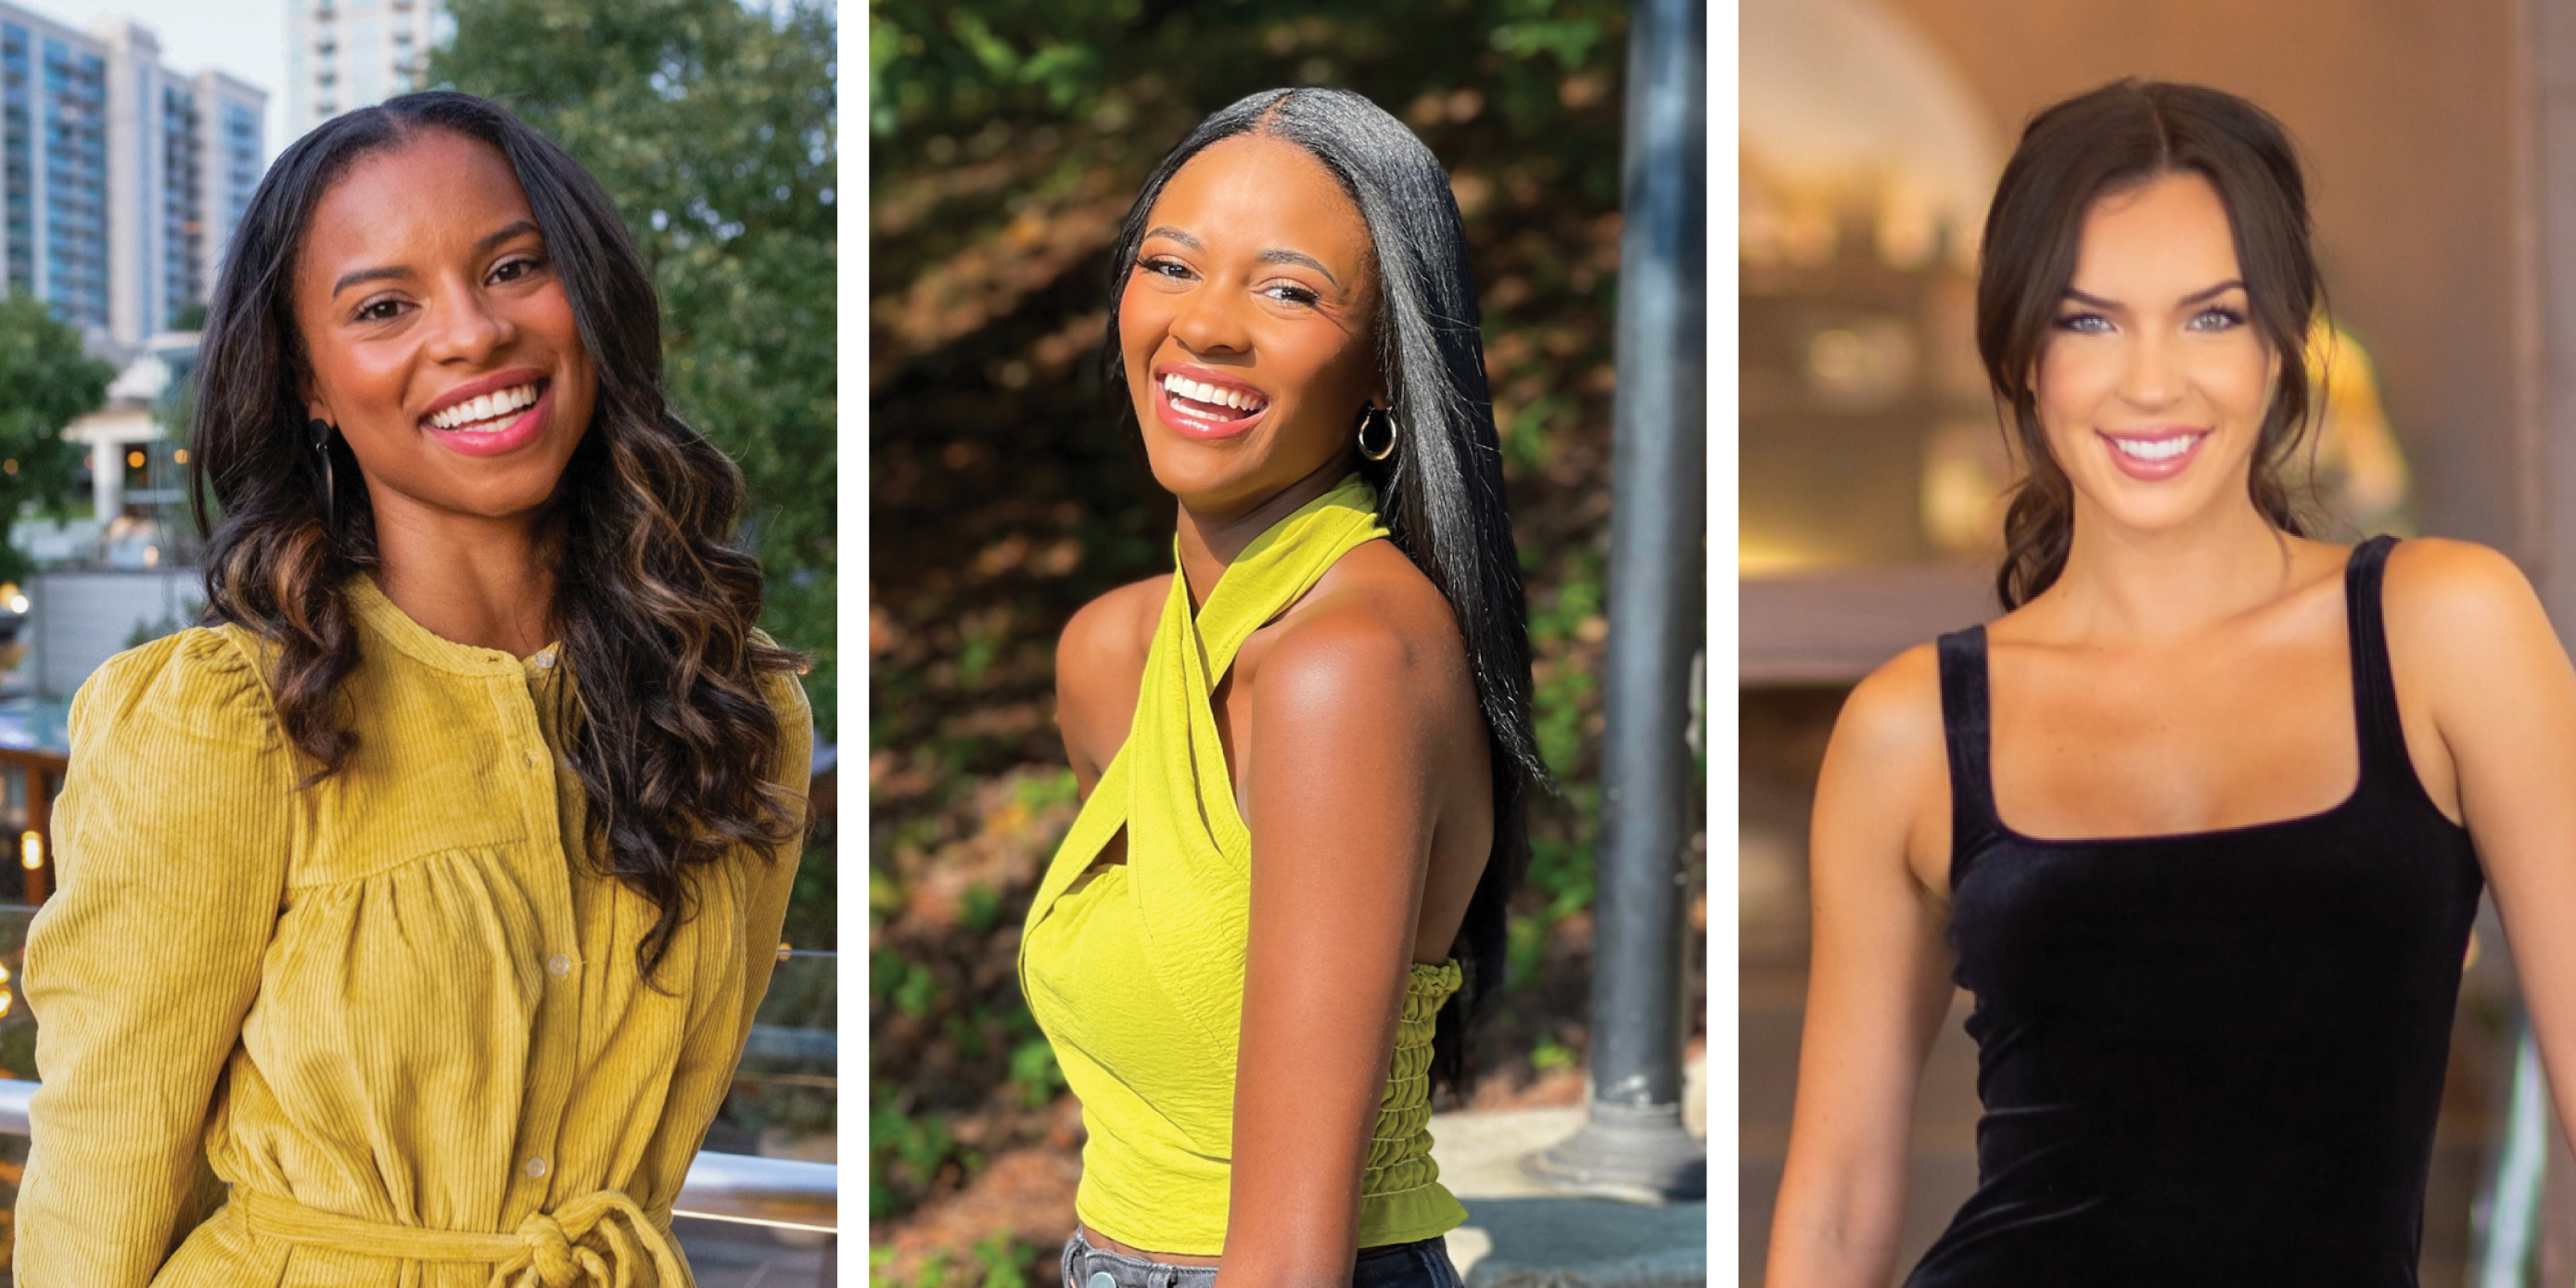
[
  {"x": 319, "y": 431},
  {"x": 1382, "y": 417}
]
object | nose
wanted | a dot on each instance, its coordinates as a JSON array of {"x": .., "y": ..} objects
[
  {"x": 464, "y": 328},
  {"x": 1211, "y": 321},
  {"x": 2147, "y": 375}
]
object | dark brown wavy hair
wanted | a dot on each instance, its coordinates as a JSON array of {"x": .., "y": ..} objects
[
  {"x": 669, "y": 731},
  {"x": 2111, "y": 140}
]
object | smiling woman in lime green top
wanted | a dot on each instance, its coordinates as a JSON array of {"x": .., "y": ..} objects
[
  {"x": 414, "y": 911},
  {"x": 1307, "y": 749}
]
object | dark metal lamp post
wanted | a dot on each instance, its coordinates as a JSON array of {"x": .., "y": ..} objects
[{"x": 1632, "y": 1144}]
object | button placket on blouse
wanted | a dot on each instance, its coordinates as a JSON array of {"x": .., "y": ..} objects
[{"x": 552, "y": 1046}]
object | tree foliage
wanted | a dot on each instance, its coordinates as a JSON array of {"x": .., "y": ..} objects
[
  {"x": 46, "y": 380},
  {"x": 711, "y": 126}
]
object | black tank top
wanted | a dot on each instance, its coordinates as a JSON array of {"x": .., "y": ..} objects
[{"x": 2212, "y": 1058}]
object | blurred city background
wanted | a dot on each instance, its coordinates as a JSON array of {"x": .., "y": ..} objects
[
  {"x": 1007, "y": 487},
  {"x": 131, "y": 136},
  {"x": 2438, "y": 139}
]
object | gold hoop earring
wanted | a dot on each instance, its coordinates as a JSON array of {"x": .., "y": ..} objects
[{"x": 1381, "y": 416}]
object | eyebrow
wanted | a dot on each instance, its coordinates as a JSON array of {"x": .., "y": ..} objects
[
  {"x": 357, "y": 276},
  {"x": 1266, "y": 257},
  {"x": 2204, "y": 294}
]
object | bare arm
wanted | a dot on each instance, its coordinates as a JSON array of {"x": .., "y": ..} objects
[
  {"x": 1099, "y": 665},
  {"x": 1878, "y": 986},
  {"x": 1341, "y": 806},
  {"x": 2474, "y": 650}
]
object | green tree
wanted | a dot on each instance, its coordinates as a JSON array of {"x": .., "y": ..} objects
[
  {"x": 710, "y": 125},
  {"x": 46, "y": 379}
]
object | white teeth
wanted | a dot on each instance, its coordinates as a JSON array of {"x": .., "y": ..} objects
[
  {"x": 2155, "y": 449},
  {"x": 1214, "y": 395},
  {"x": 473, "y": 411}
]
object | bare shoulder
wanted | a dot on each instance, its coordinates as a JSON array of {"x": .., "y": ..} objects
[
  {"x": 2465, "y": 628},
  {"x": 1884, "y": 792},
  {"x": 2456, "y": 604},
  {"x": 1100, "y": 662},
  {"x": 1115, "y": 625},
  {"x": 1893, "y": 717},
  {"x": 2438, "y": 577},
  {"x": 1376, "y": 638}
]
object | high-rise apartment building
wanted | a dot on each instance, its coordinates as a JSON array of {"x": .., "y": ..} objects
[
  {"x": 120, "y": 179},
  {"x": 344, "y": 54}
]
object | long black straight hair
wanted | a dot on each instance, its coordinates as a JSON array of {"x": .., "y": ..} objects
[
  {"x": 1441, "y": 495},
  {"x": 674, "y": 740}
]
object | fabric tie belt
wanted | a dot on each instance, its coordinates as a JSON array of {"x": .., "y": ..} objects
[{"x": 544, "y": 1252}]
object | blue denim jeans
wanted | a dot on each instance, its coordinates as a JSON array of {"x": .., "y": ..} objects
[{"x": 1421, "y": 1264}]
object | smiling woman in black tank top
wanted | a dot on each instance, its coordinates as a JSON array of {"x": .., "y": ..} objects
[{"x": 2202, "y": 820}]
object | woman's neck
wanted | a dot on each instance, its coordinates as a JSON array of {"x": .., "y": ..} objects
[
  {"x": 484, "y": 583},
  {"x": 2134, "y": 584},
  {"x": 1210, "y": 539}
]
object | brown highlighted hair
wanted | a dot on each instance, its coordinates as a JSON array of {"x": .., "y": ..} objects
[
  {"x": 2072, "y": 155},
  {"x": 670, "y": 733}
]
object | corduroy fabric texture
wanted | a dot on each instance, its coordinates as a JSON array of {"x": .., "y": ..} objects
[
  {"x": 1136, "y": 973},
  {"x": 403, "y": 997}
]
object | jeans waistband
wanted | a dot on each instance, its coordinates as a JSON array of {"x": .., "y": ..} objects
[{"x": 1424, "y": 1262}]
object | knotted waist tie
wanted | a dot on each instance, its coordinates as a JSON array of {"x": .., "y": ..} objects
[{"x": 544, "y": 1252}]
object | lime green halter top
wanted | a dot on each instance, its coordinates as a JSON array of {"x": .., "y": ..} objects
[{"x": 1135, "y": 972}]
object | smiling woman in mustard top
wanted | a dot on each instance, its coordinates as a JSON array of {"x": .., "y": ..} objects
[
  {"x": 413, "y": 914},
  {"x": 1307, "y": 748}
]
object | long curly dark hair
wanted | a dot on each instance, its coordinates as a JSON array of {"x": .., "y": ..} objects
[
  {"x": 670, "y": 732},
  {"x": 1442, "y": 496},
  {"x": 2110, "y": 140}
]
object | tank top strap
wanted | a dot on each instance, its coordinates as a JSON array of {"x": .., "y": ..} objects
[
  {"x": 2374, "y": 684},
  {"x": 1967, "y": 728}
]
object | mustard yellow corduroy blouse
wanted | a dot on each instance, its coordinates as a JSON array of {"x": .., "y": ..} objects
[
  {"x": 394, "y": 1012},
  {"x": 1135, "y": 972}
]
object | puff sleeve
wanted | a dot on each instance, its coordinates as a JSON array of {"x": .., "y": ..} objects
[{"x": 171, "y": 837}]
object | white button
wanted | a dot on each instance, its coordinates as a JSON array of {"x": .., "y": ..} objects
[
  {"x": 545, "y": 659},
  {"x": 559, "y": 965},
  {"x": 537, "y": 1166},
  {"x": 1102, "y": 1280}
]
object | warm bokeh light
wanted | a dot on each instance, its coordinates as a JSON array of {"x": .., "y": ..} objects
[{"x": 31, "y": 850}]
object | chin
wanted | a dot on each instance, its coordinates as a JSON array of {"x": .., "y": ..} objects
[
  {"x": 1187, "y": 468},
  {"x": 2156, "y": 515}
]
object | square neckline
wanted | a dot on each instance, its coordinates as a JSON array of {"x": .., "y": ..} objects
[{"x": 2359, "y": 720}]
